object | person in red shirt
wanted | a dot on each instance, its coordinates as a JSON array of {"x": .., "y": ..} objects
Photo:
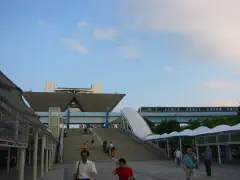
[{"x": 123, "y": 171}]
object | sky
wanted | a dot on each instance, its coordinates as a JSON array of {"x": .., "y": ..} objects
[{"x": 159, "y": 53}]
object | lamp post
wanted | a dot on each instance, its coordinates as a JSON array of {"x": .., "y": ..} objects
[{"x": 68, "y": 117}]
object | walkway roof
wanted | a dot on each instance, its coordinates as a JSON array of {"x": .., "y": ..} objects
[
  {"x": 12, "y": 96},
  {"x": 41, "y": 101},
  {"x": 196, "y": 132}
]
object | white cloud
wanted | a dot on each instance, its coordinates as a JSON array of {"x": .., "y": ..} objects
[
  {"x": 131, "y": 51},
  {"x": 168, "y": 69},
  {"x": 212, "y": 27},
  {"x": 220, "y": 85},
  {"x": 224, "y": 102},
  {"x": 81, "y": 24},
  {"x": 41, "y": 23},
  {"x": 105, "y": 33},
  {"x": 75, "y": 45}
]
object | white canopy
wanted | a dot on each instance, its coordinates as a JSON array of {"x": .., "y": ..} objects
[
  {"x": 221, "y": 128},
  {"x": 196, "y": 132},
  {"x": 201, "y": 130},
  {"x": 236, "y": 127}
]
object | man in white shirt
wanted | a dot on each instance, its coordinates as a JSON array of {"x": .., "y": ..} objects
[
  {"x": 85, "y": 169},
  {"x": 178, "y": 156}
]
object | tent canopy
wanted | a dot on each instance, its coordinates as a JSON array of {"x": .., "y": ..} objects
[{"x": 196, "y": 132}]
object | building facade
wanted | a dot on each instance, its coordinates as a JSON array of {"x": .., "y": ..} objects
[{"x": 52, "y": 87}]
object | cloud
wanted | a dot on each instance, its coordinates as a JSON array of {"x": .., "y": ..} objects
[
  {"x": 41, "y": 23},
  {"x": 131, "y": 51},
  {"x": 75, "y": 45},
  {"x": 105, "y": 33},
  {"x": 224, "y": 102},
  {"x": 168, "y": 69},
  {"x": 220, "y": 85},
  {"x": 212, "y": 27},
  {"x": 81, "y": 24}
]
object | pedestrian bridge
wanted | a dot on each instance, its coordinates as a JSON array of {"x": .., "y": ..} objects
[{"x": 156, "y": 117}]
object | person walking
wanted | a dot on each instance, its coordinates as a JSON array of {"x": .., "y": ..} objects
[
  {"x": 123, "y": 171},
  {"x": 84, "y": 169},
  {"x": 110, "y": 148},
  {"x": 190, "y": 163},
  {"x": 104, "y": 145},
  {"x": 92, "y": 142},
  {"x": 177, "y": 156},
  {"x": 84, "y": 147},
  {"x": 208, "y": 161}
]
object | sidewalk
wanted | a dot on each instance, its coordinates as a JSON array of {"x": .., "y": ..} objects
[{"x": 56, "y": 173}]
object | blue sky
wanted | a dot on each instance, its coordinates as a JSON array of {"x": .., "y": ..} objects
[{"x": 160, "y": 53}]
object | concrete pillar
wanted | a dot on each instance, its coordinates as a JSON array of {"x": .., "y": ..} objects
[
  {"x": 180, "y": 146},
  {"x": 46, "y": 160},
  {"x": 30, "y": 152},
  {"x": 42, "y": 155},
  {"x": 53, "y": 153},
  {"x": 168, "y": 149},
  {"x": 50, "y": 159},
  {"x": 18, "y": 157},
  {"x": 22, "y": 153},
  {"x": 219, "y": 155},
  {"x": 198, "y": 158},
  {"x": 9, "y": 159},
  {"x": 35, "y": 155},
  {"x": 229, "y": 153}
]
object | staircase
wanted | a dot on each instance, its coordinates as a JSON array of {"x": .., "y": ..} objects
[
  {"x": 73, "y": 144},
  {"x": 126, "y": 147}
]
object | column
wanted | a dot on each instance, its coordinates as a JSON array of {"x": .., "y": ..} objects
[
  {"x": 50, "y": 159},
  {"x": 35, "y": 155},
  {"x": 229, "y": 153},
  {"x": 18, "y": 157},
  {"x": 22, "y": 153},
  {"x": 9, "y": 159},
  {"x": 168, "y": 149},
  {"x": 30, "y": 153},
  {"x": 46, "y": 160},
  {"x": 42, "y": 155},
  {"x": 219, "y": 154},
  {"x": 53, "y": 155},
  {"x": 180, "y": 146},
  {"x": 198, "y": 158}
]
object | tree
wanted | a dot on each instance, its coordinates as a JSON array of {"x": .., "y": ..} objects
[
  {"x": 150, "y": 124},
  {"x": 194, "y": 124},
  {"x": 213, "y": 122},
  {"x": 168, "y": 126}
]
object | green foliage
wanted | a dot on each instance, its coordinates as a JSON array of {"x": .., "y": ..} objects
[
  {"x": 213, "y": 122},
  {"x": 168, "y": 126},
  {"x": 193, "y": 124},
  {"x": 150, "y": 124}
]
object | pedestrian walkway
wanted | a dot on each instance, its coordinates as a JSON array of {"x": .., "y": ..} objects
[{"x": 147, "y": 170}]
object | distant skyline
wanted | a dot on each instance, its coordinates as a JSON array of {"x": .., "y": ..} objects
[{"x": 159, "y": 53}]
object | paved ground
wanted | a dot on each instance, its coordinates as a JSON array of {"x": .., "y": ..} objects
[
  {"x": 150, "y": 170},
  {"x": 144, "y": 170}
]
